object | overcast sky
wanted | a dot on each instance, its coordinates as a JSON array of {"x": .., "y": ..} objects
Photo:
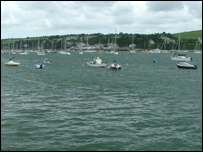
[{"x": 21, "y": 19}]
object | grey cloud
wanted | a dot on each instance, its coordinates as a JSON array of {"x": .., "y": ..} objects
[
  {"x": 97, "y": 4},
  {"x": 164, "y": 5},
  {"x": 194, "y": 8},
  {"x": 75, "y": 17}
]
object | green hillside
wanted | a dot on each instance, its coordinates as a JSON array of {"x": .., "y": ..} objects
[
  {"x": 189, "y": 35},
  {"x": 188, "y": 40}
]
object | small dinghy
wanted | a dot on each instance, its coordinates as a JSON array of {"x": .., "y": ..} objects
[{"x": 39, "y": 66}]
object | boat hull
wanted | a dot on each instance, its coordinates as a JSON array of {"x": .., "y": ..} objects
[
  {"x": 183, "y": 65},
  {"x": 64, "y": 53},
  {"x": 40, "y": 53},
  {"x": 12, "y": 63},
  {"x": 96, "y": 65},
  {"x": 186, "y": 67},
  {"x": 181, "y": 58},
  {"x": 24, "y": 53},
  {"x": 38, "y": 66},
  {"x": 47, "y": 61},
  {"x": 16, "y": 64},
  {"x": 115, "y": 66}
]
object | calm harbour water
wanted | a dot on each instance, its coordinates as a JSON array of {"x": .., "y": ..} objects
[{"x": 145, "y": 106}]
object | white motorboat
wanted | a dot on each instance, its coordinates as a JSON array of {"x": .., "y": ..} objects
[
  {"x": 185, "y": 65},
  {"x": 181, "y": 58},
  {"x": 96, "y": 63},
  {"x": 39, "y": 66}
]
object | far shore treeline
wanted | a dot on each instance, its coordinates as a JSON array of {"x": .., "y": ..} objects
[{"x": 188, "y": 40}]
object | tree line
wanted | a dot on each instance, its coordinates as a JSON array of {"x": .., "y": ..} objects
[{"x": 122, "y": 40}]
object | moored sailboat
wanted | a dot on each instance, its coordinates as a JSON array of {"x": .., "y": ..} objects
[
  {"x": 11, "y": 62},
  {"x": 115, "y": 65},
  {"x": 179, "y": 57}
]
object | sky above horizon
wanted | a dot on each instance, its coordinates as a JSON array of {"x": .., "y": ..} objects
[{"x": 21, "y": 19}]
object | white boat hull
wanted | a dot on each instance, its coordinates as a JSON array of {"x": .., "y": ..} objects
[
  {"x": 97, "y": 63},
  {"x": 68, "y": 53},
  {"x": 197, "y": 52},
  {"x": 155, "y": 51},
  {"x": 38, "y": 66},
  {"x": 181, "y": 58},
  {"x": 132, "y": 51},
  {"x": 115, "y": 66},
  {"x": 24, "y": 53},
  {"x": 40, "y": 53},
  {"x": 185, "y": 65},
  {"x": 12, "y": 63}
]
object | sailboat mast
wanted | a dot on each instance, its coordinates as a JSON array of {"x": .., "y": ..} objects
[
  {"x": 165, "y": 44},
  {"x": 81, "y": 43},
  {"x": 9, "y": 47},
  {"x": 38, "y": 43},
  {"x": 61, "y": 43},
  {"x": 108, "y": 42},
  {"x": 21, "y": 44},
  {"x": 65, "y": 43},
  {"x": 13, "y": 45},
  {"x": 115, "y": 41},
  {"x": 99, "y": 45},
  {"x": 179, "y": 43},
  {"x": 132, "y": 42}
]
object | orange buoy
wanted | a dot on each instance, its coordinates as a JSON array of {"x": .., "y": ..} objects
[{"x": 108, "y": 67}]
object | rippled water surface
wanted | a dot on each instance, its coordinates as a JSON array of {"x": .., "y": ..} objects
[{"x": 69, "y": 106}]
